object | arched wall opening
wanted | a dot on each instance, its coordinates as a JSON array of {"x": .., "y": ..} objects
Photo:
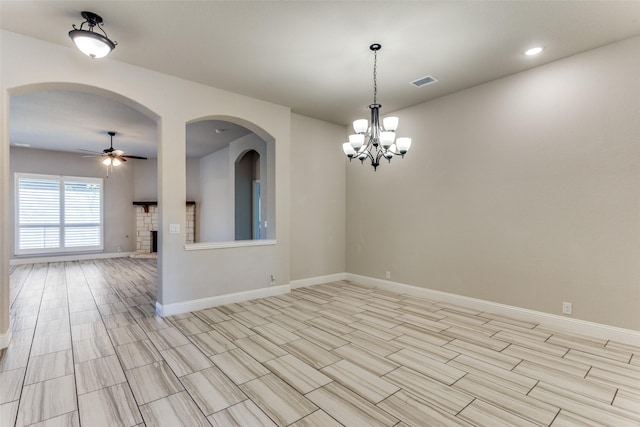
[
  {"x": 50, "y": 158},
  {"x": 63, "y": 130},
  {"x": 232, "y": 204}
]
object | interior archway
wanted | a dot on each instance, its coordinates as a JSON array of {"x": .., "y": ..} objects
[{"x": 78, "y": 118}]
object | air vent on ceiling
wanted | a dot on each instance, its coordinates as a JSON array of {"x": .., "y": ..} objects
[{"x": 424, "y": 81}]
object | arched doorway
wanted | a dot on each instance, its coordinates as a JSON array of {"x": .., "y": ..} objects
[{"x": 67, "y": 107}]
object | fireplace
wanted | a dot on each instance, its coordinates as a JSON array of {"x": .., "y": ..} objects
[
  {"x": 146, "y": 222},
  {"x": 154, "y": 241}
]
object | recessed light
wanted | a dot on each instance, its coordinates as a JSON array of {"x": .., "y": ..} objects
[
  {"x": 20, "y": 144},
  {"x": 533, "y": 51}
]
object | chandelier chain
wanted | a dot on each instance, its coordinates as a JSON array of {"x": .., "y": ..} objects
[{"x": 375, "y": 77}]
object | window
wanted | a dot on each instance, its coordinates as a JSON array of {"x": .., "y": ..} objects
[{"x": 58, "y": 214}]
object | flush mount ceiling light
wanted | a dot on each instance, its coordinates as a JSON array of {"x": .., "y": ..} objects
[
  {"x": 89, "y": 42},
  {"x": 533, "y": 51},
  {"x": 380, "y": 137}
]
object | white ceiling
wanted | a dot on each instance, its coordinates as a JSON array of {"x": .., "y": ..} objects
[
  {"x": 314, "y": 57},
  {"x": 69, "y": 121}
]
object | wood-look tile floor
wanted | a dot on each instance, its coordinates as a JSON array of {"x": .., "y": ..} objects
[{"x": 87, "y": 350}]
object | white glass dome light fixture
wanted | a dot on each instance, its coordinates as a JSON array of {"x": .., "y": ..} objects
[
  {"x": 91, "y": 43},
  {"x": 374, "y": 140}
]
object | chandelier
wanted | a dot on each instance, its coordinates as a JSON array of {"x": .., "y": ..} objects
[
  {"x": 374, "y": 140},
  {"x": 88, "y": 41}
]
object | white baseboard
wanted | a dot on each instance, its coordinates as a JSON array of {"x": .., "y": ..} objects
[
  {"x": 311, "y": 281},
  {"x": 202, "y": 303},
  {"x": 596, "y": 330},
  {"x": 70, "y": 257},
  {"x": 5, "y": 338}
]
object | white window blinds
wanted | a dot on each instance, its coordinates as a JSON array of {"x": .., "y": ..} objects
[{"x": 58, "y": 214}]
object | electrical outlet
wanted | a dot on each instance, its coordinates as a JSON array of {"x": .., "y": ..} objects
[
  {"x": 567, "y": 308},
  {"x": 272, "y": 279},
  {"x": 387, "y": 275}
]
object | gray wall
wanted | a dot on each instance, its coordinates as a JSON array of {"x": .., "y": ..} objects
[
  {"x": 317, "y": 198},
  {"x": 146, "y": 180},
  {"x": 216, "y": 201},
  {"x": 523, "y": 191},
  {"x": 118, "y": 190}
]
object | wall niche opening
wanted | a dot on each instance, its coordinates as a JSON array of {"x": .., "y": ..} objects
[{"x": 231, "y": 176}]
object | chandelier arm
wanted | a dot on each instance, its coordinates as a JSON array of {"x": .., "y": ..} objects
[
  {"x": 396, "y": 153},
  {"x": 367, "y": 151}
]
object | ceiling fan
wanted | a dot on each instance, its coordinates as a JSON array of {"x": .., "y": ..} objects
[{"x": 113, "y": 157}]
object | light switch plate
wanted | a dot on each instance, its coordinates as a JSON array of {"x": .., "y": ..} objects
[{"x": 174, "y": 228}]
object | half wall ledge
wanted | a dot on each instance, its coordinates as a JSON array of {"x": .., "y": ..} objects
[{"x": 231, "y": 244}]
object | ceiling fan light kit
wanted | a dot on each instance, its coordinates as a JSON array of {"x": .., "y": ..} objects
[
  {"x": 112, "y": 161},
  {"x": 91, "y": 43},
  {"x": 113, "y": 157},
  {"x": 374, "y": 140}
]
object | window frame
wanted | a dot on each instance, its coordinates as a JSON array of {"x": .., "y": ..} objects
[{"x": 60, "y": 226}]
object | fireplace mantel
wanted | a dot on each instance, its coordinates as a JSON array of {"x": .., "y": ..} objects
[{"x": 145, "y": 205}]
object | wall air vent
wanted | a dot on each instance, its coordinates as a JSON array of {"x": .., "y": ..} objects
[{"x": 424, "y": 81}]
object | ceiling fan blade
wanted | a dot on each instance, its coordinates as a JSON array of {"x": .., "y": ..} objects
[
  {"x": 96, "y": 155},
  {"x": 135, "y": 157},
  {"x": 89, "y": 151}
]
